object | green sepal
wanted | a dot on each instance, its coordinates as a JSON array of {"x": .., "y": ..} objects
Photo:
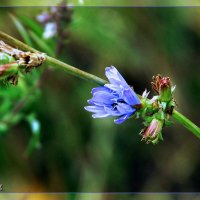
[
  {"x": 168, "y": 122},
  {"x": 171, "y": 103},
  {"x": 160, "y": 115},
  {"x": 147, "y": 120},
  {"x": 156, "y": 140}
]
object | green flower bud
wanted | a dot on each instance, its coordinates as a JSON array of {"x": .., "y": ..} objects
[
  {"x": 162, "y": 85},
  {"x": 165, "y": 89}
]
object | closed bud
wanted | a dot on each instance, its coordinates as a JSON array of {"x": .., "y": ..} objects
[
  {"x": 165, "y": 89},
  {"x": 153, "y": 132},
  {"x": 162, "y": 85}
]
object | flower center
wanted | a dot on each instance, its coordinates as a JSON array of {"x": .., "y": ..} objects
[{"x": 114, "y": 105}]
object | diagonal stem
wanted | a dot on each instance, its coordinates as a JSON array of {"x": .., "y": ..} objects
[
  {"x": 52, "y": 61},
  {"x": 75, "y": 71},
  {"x": 186, "y": 123},
  {"x": 92, "y": 78}
]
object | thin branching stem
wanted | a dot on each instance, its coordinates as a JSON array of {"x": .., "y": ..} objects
[{"x": 89, "y": 77}]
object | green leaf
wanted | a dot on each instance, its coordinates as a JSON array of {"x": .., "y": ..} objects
[
  {"x": 34, "y": 26},
  {"x": 21, "y": 30}
]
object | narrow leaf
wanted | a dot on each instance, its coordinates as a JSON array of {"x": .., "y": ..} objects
[{"x": 21, "y": 30}]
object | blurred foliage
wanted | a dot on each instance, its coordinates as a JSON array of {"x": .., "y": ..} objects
[
  {"x": 104, "y": 3},
  {"x": 78, "y": 153}
]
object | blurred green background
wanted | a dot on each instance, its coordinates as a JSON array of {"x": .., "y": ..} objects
[{"x": 76, "y": 153}]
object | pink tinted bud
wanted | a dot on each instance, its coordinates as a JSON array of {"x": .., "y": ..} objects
[{"x": 153, "y": 131}]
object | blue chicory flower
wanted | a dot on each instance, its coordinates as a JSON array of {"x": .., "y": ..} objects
[{"x": 116, "y": 98}]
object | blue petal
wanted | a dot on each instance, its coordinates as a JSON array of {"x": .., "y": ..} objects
[
  {"x": 100, "y": 115},
  {"x": 119, "y": 85},
  {"x": 94, "y": 109},
  {"x": 113, "y": 87},
  {"x": 114, "y": 76},
  {"x": 116, "y": 89},
  {"x": 122, "y": 119},
  {"x": 98, "y": 110},
  {"x": 125, "y": 108},
  {"x": 100, "y": 89},
  {"x": 130, "y": 97},
  {"x": 102, "y": 98}
]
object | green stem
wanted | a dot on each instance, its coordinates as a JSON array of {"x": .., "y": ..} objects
[
  {"x": 74, "y": 71},
  {"x": 186, "y": 123},
  {"x": 89, "y": 77},
  {"x": 52, "y": 61}
]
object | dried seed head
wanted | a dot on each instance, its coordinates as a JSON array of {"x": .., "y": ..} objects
[
  {"x": 27, "y": 59},
  {"x": 13, "y": 60},
  {"x": 31, "y": 60}
]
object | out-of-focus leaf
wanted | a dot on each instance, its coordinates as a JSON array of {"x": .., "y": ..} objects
[
  {"x": 42, "y": 44},
  {"x": 21, "y": 30},
  {"x": 3, "y": 128},
  {"x": 33, "y": 25},
  {"x": 37, "y": 29},
  {"x": 34, "y": 142},
  {"x": 5, "y": 106},
  {"x": 13, "y": 118}
]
